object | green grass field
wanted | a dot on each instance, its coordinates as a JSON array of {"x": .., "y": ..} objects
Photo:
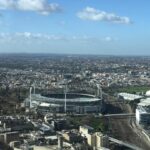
[{"x": 129, "y": 89}]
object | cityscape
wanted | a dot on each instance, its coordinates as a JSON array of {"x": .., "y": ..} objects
[
  {"x": 74, "y": 75},
  {"x": 53, "y": 102}
]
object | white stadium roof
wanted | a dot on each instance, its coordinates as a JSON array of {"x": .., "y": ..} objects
[
  {"x": 38, "y": 97},
  {"x": 148, "y": 93},
  {"x": 130, "y": 97},
  {"x": 144, "y": 102},
  {"x": 45, "y": 105}
]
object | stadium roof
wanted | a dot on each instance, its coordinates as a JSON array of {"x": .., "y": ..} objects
[
  {"x": 130, "y": 97},
  {"x": 44, "y": 105},
  {"x": 38, "y": 97},
  {"x": 144, "y": 102}
]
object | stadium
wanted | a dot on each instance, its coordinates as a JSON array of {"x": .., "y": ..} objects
[{"x": 65, "y": 103}]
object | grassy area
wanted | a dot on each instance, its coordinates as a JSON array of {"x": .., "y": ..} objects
[
  {"x": 129, "y": 89},
  {"x": 99, "y": 124}
]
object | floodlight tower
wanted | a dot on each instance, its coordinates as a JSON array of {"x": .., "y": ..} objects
[
  {"x": 99, "y": 91},
  {"x": 65, "y": 92},
  {"x": 33, "y": 88},
  {"x": 30, "y": 97},
  {"x": 100, "y": 94}
]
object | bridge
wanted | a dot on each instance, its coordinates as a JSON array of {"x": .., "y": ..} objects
[
  {"x": 131, "y": 146},
  {"x": 120, "y": 115}
]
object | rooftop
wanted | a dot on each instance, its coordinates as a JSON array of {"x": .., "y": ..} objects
[
  {"x": 131, "y": 97},
  {"x": 144, "y": 102}
]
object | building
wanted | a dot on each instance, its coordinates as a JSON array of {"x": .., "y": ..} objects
[
  {"x": 94, "y": 139},
  {"x": 86, "y": 130},
  {"x": 72, "y": 136},
  {"x": 59, "y": 124},
  {"x": 9, "y": 136},
  {"x": 101, "y": 140},
  {"x": 143, "y": 112}
]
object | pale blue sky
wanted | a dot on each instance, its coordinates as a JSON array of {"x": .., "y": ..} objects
[{"x": 120, "y": 27}]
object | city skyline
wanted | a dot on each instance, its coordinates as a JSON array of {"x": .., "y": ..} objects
[{"x": 74, "y": 27}]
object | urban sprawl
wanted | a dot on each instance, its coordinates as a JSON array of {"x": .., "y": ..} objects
[{"x": 74, "y": 102}]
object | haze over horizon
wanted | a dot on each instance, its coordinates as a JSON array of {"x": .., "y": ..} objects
[{"x": 75, "y": 27}]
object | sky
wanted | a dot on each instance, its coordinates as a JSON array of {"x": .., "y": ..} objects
[{"x": 105, "y": 27}]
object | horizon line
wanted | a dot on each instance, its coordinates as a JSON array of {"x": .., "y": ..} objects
[{"x": 82, "y": 54}]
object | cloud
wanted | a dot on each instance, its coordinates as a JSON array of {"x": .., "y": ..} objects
[
  {"x": 110, "y": 39},
  {"x": 28, "y": 37},
  {"x": 93, "y": 14},
  {"x": 40, "y": 6},
  {"x": 92, "y": 39}
]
